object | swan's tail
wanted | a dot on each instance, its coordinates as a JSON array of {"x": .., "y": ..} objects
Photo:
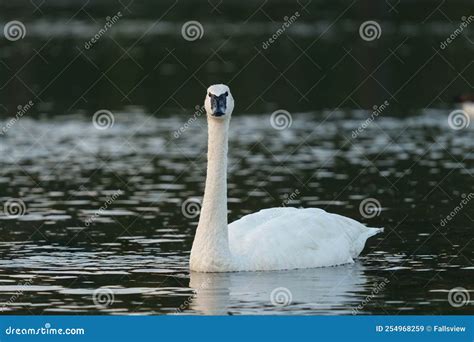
[
  {"x": 371, "y": 231},
  {"x": 360, "y": 242}
]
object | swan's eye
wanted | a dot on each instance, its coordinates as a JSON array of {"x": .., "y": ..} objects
[
  {"x": 210, "y": 95},
  {"x": 226, "y": 94}
]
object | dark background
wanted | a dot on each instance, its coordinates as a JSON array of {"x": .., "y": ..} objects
[{"x": 320, "y": 61}]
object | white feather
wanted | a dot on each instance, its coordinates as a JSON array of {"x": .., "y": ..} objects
[{"x": 271, "y": 239}]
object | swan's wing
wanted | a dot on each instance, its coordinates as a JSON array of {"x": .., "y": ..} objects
[{"x": 283, "y": 238}]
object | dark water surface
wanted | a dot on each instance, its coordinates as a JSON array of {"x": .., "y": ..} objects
[
  {"x": 101, "y": 228},
  {"x": 138, "y": 245},
  {"x": 319, "y": 62}
]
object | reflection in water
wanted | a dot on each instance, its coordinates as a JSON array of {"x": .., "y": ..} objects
[{"x": 316, "y": 291}]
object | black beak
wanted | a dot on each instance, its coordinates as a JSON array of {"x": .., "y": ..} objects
[{"x": 218, "y": 105}]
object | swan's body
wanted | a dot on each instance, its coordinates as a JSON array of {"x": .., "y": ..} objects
[
  {"x": 271, "y": 239},
  {"x": 290, "y": 238},
  {"x": 468, "y": 107},
  {"x": 466, "y": 102}
]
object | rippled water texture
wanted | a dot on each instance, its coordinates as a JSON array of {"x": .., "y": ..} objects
[{"x": 135, "y": 249}]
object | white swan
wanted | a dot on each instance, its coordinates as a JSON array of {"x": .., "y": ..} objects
[
  {"x": 271, "y": 239},
  {"x": 466, "y": 104}
]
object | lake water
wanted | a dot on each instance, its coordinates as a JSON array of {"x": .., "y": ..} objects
[
  {"x": 93, "y": 219},
  {"x": 135, "y": 249}
]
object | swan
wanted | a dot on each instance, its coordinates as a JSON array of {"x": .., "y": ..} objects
[
  {"x": 467, "y": 104},
  {"x": 272, "y": 239}
]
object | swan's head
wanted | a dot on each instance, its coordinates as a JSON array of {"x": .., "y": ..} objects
[{"x": 219, "y": 102}]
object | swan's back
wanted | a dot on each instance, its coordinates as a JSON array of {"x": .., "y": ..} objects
[{"x": 288, "y": 238}]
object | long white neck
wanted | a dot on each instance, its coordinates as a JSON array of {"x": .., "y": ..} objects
[{"x": 211, "y": 244}]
